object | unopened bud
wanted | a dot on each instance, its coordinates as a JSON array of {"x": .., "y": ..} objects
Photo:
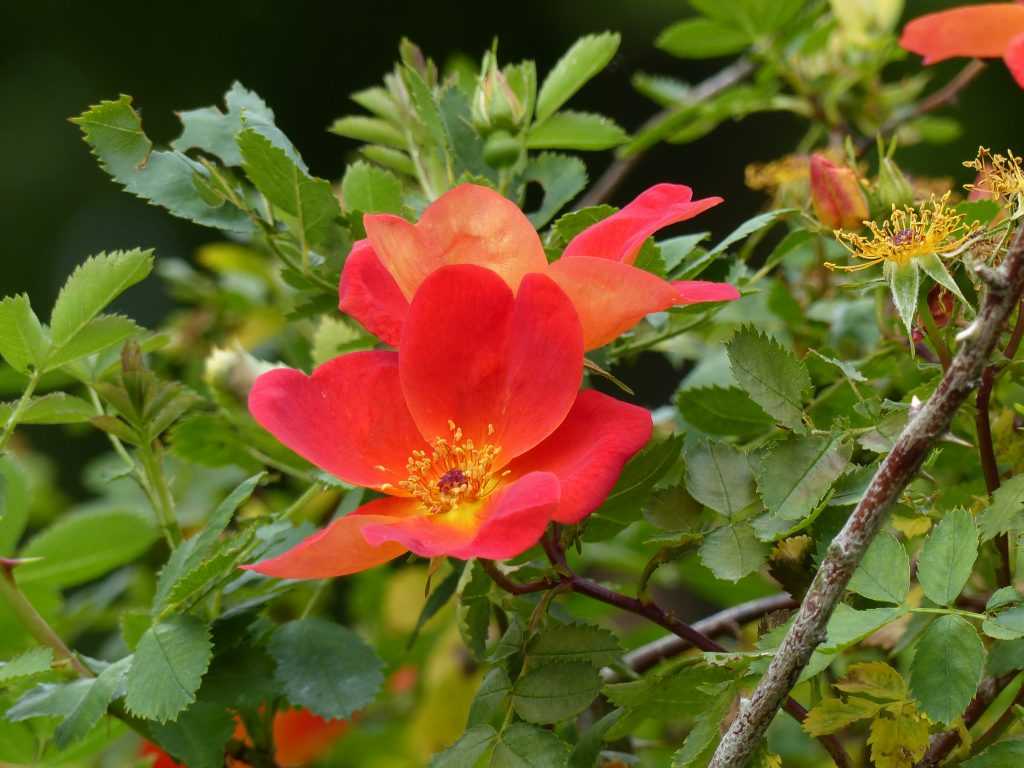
[
  {"x": 501, "y": 149},
  {"x": 495, "y": 103},
  {"x": 893, "y": 186},
  {"x": 838, "y": 200}
]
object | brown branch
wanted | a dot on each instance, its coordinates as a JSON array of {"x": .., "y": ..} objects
[
  {"x": 947, "y": 94},
  {"x": 944, "y": 743},
  {"x": 621, "y": 167},
  {"x": 663, "y": 618},
  {"x": 896, "y": 471}
]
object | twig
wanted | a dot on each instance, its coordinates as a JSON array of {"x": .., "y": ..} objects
[
  {"x": 663, "y": 618},
  {"x": 947, "y": 94},
  {"x": 892, "y": 477},
  {"x": 647, "y": 656},
  {"x": 944, "y": 743},
  {"x": 613, "y": 175}
]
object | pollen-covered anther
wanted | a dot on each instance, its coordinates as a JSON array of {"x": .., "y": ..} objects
[
  {"x": 909, "y": 233},
  {"x": 454, "y": 472}
]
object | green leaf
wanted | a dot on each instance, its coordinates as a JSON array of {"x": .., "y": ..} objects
[
  {"x": 576, "y": 130},
  {"x": 561, "y": 177},
  {"x": 99, "y": 334},
  {"x": 702, "y": 38},
  {"x": 198, "y": 736},
  {"x": 212, "y": 131},
  {"x": 1005, "y": 754},
  {"x": 733, "y": 551},
  {"x": 23, "y": 342},
  {"x": 884, "y": 573},
  {"x": 1006, "y": 625},
  {"x": 325, "y": 667},
  {"x": 308, "y": 199},
  {"x": 29, "y": 663},
  {"x": 573, "y": 642},
  {"x": 749, "y": 227},
  {"x": 523, "y": 746},
  {"x": 705, "y": 734},
  {"x": 369, "y": 129},
  {"x": 770, "y": 374},
  {"x": 849, "y": 626},
  {"x": 722, "y": 411},
  {"x": 936, "y": 270},
  {"x": 1006, "y": 512},
  {"x": 587, "y": 56},
  {"x": 794, "y": 475},
  {"x": 1005, "y": 656},
  {"x": 491, "y": 700},
  {"x": 52, "y": 408},
  {"x": 474, "y": 607},
  {"x": 93, "y": 706},
  {"x": 947, "y": 668},
  {"x": 718, "y": 476},
  {"x": 82, "y": 546},
  {"x": 904, "y": 283},
  {"x": 468, "y": 750},
  {"x": 49, "y": 700},
  {"x": 948, "y": 556},
  {"x": 588, "y": 748},
  {"x": 437, "y": 599},
  {"x": 92, "y": 286},
  {"x": 370, "y": 189},
  {"x": 167, "y": 668},
  {"x": 13, "y": 504},
  {"x": 555, "y": 692},
  {"x": 113, "y": 130}
]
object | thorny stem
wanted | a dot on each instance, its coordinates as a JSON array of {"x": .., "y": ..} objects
[
  {"x": 34, "y": 622},
  {"x": 807, "y": 631},
  {"x": 568, "y": 579},
  {"x": 609, "y": 181},
  {"x": 23, "y": 401}
]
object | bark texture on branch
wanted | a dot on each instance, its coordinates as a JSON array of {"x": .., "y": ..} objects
[{"x": 896, "y": 471}]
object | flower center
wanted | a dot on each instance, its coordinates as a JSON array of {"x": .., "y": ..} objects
[
  {"x": 904, "y": 236},
  {"x": 455, "y": 471}
]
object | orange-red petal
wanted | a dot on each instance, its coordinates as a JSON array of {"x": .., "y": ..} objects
[
  {"x": 369, "y": 293},
  {"x": 588, "y": 451},
  {"x": 611, "y": 297},
  {"x": 300, "y": 736},
  {"x": 505, "y": 524},
  {"x": 349, "y": 418},
  {"x": 620, "y": 236},
  {"x": 341, "y": 547},
  {"x": 505, "y": 369},
  {"x": 1014, "y": 58},
  {"x": 982, "y": 31}
]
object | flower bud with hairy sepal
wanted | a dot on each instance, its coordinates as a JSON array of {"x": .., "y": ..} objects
[
  {"x": 230, "y": 374},
  {"x": 495, "y": 103},
  {"x": 893, "y": 187},
  {"x": 836, "y": 195}
]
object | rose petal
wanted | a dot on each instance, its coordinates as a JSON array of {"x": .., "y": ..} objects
[
  {"x": 588, "y": 452},
  {"x": 505, "y": 524},
  {"x": 700, "y": 291},
  {"x": 1014, "y": 58},
  {"x": 504, "y": 369},
  {"x": 341, "y": 548},
  {"x": 300, "y": 736},
  {"x": 983, "y": 31},
  {"x": 370, "y": 294},
  {"x": 408, "y": 252},
  {"x": 620, "y": 236},
  {"x": 349, "y": 418}
]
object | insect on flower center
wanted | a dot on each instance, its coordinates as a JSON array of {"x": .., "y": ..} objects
[{"x": 454, "y": 471}]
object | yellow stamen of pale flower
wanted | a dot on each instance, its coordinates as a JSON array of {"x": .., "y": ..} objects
[
  {"x": 908, "y": 233},
  {"x": 455, "y": 471},
  {"x": 1000, "y": 177}
]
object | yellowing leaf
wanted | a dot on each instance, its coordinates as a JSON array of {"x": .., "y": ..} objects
[
  {"x": 875, "y": 679},
  {"x": 900, "y": 741},
  {"x": 912, "y": 526},
  {"x": 833, "y": 714}
]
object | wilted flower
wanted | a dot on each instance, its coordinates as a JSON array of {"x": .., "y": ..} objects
[
  {"x": 836, "y": 195},
  {"x": 909, "y": 233},
  {"x": 1000, "y": 178},
  {"x": 777, "y": 173}
]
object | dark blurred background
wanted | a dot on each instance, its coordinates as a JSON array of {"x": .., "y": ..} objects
[{"x": 304, "y": 58}]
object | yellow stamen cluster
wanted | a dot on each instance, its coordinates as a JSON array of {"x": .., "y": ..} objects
[
  {"x": 777, "y": 173},
  {"x": 1001, "y": 178},
  {"x": 908, "y": 234},
  {"x": 454, "y": 472}
]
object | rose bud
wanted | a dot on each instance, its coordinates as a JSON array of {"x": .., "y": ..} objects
[{"x": 838, "y": 200}]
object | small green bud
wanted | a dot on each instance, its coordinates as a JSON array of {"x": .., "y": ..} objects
[
  {"x": 501, "y": 149},
  {"x": 893, "y": 187}
]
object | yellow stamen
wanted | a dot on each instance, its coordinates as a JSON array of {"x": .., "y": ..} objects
[
  {"x": 455, "y": 472},
  {"x": 909, "y": 233},
  {"x": 1001, "y": 178}
]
